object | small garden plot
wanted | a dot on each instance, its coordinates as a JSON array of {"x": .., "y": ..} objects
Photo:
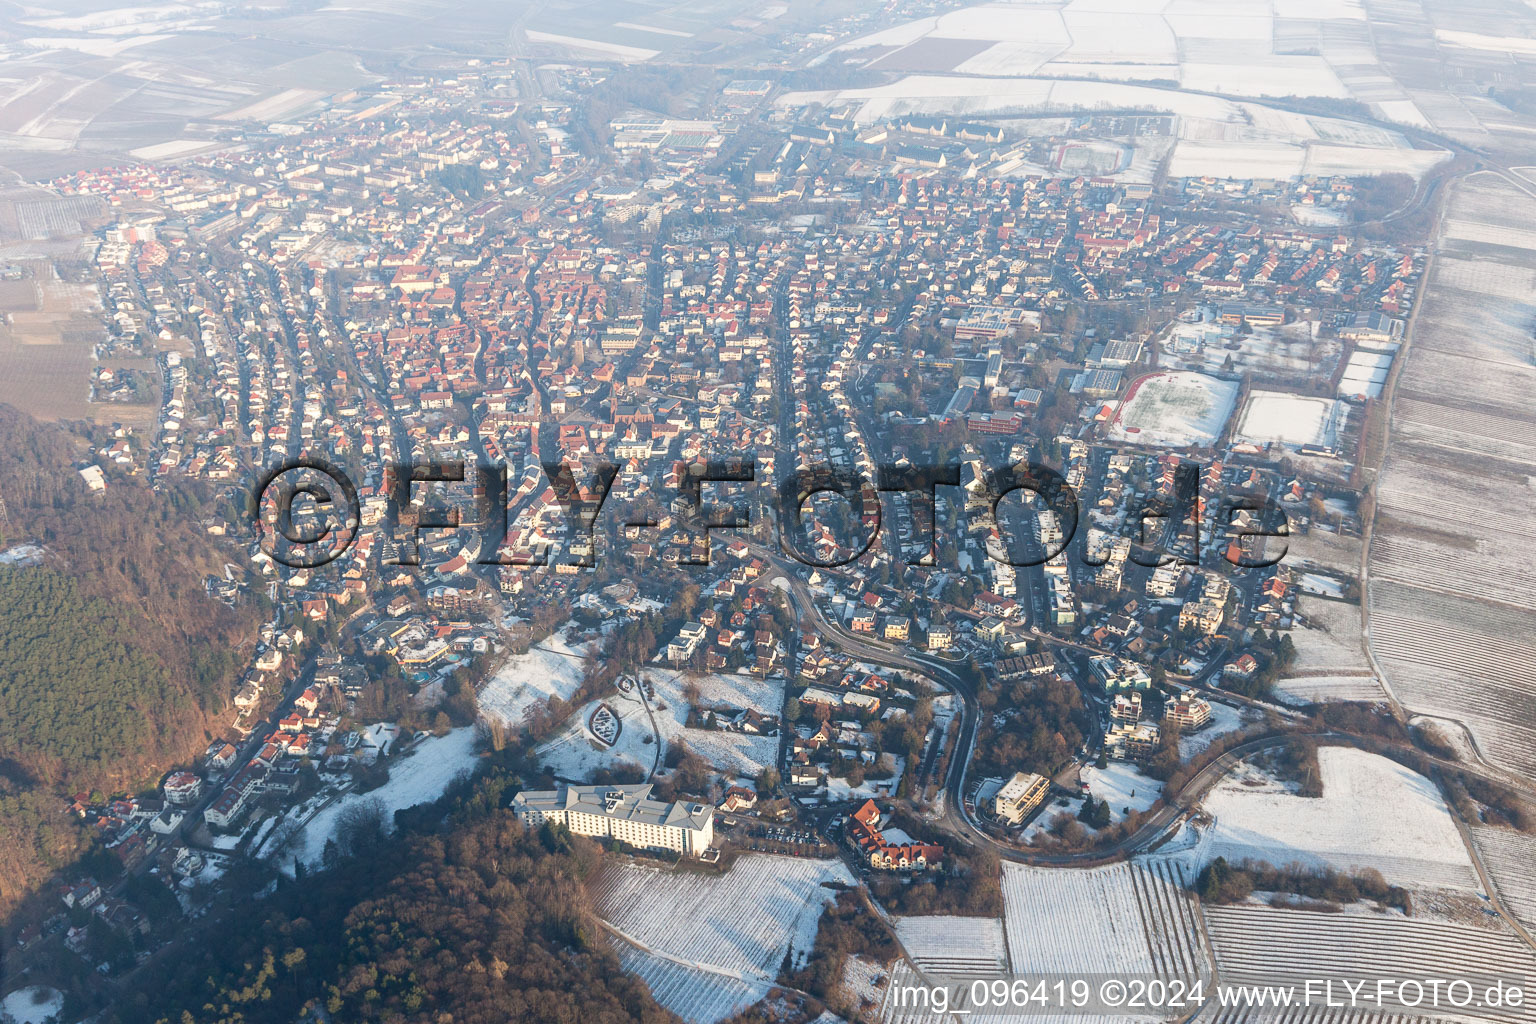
[
  {"x": 604, "y": 725},
  {"x": 551, "y": 668},
  {"x": 583, "y": 747},
  {"x": 1374, "y": 813},
  {"x": 742, "y": 921},
  {"x": 1175, "y": 410}
]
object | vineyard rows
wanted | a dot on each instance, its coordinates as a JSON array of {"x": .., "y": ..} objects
[
  {"x": 955, "y": 945},
  {"x": 1451, "y": 556},
  {"x": 1122, "y": 918},
  {"x": 1510, "y": 858},
  {"x": 697, "y": 996},
  {"x": 1260, "y": 945},
  {"x": 743, "y": 921},
  {"x": 1454, "y": 659},
  {"x": 1308, "y": 1015}
]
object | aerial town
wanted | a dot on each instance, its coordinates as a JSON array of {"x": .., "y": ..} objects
[{"x": 785, "y": 491}]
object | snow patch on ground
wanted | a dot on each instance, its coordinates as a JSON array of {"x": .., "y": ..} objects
[
  {"x": 575, "y": 753},
  {"x": 1224, "y": 719},
  {"x": 415, "y": 778},
  {"x": 32, "y": 1005},
  {"x": 552, "y": 668},
  {"x": 1123, "y": 785}
]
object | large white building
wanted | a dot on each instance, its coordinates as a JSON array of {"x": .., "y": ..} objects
[{"x": 624, "y": 813}]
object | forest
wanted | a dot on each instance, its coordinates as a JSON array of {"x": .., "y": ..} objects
[
  {"x": 471, "y": 919},
  {"x": 118, "y": 663}
]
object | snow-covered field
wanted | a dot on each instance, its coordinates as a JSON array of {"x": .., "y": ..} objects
[
  {"x": 737, "y": 691},
  {"x": 1510, "y": 857},
  {"x": 954, "y": 945},
  {"x": 734, "y": 753},
  {"x": 418, "y": 778},
  {"x": 549, "y": 669},
  {"x": 743, "y": 921},
  {"x": 1175, "y": 410},
  {"x": 1123, "y": 785},
  {"x": 1224, "y": 719},
  {"x": 1374, "y": 813},
  {"x": 1124, "y": 918},
  {"x": 595, "y": 47},
  {"x": 37, "y": 1004},
  {"x": 1330, "y": 658},
  {"x": 1277, "y": 417},
  {"x": 697, "y": 996},
  {"x": 575, "y": 753}
]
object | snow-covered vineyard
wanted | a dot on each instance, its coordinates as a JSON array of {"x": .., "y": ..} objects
[
  {"x": 1312, "y": 1015},
  {"x": 1258, "y": 945},
  {"x": 1126, "y": 918},
  {"x": 743, "y": 921},
  {"x": 955, "y": 945},
  {"x": 1451, "y": 606},
  {"x": 1510, "y": 857},
  {"x": 1474, "y": 663},
  {"x": 696, "y": 995}
]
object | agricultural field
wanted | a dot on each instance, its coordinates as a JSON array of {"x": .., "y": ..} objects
[
  {"x": 1262, "y": 945},
  {"x": 741, "y": 922},
  {"x": 47, "y": 344},
  {"x": 1450, "y": 560},
  {"x": 1510, "y": 857},
  {"x": 1330, "y": 658},
  {"x": 1374, "y": 813},
  {"x": 954, "y": 945},
  {"x": 1124, "y": 918},
  {"x": 697, "y": 996},
  {"x": 1418, "y": 77},
  {"x": 1177, "y": 409}
]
